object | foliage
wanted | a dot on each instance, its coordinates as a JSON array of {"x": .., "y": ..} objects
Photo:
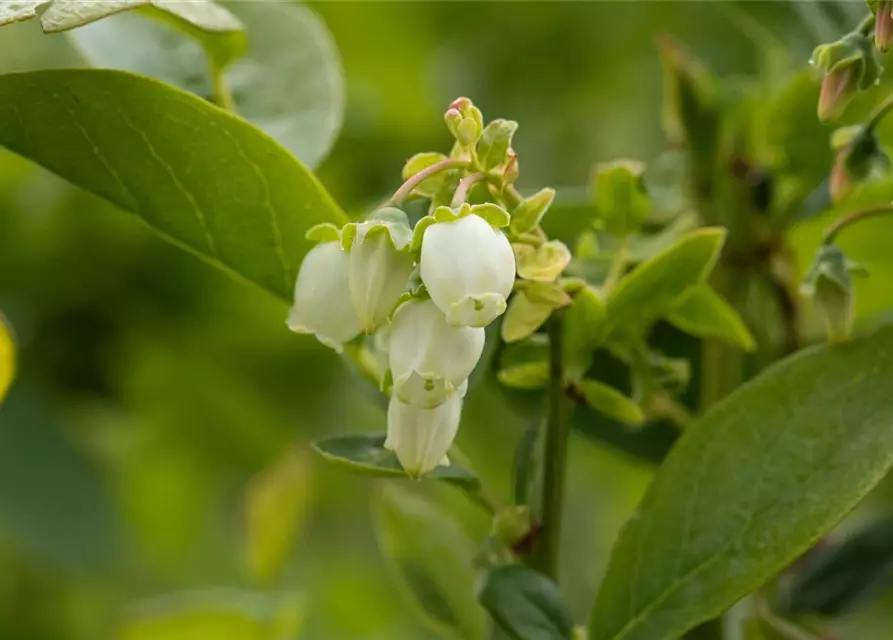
[{"x": 664, "y": 311}]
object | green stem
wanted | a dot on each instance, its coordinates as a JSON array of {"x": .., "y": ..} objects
[
  {"x": 220, "y": 91},
  {"x": 617, "y": 267},
  {"x": 867, "y": 25},
  {"x": 546, "y": 553},
  {"x": 406, "y": 188},
  {"x": 461, "y": 193},
  {"x": 882, "y": 110},
  {"x": 839, "y": 225}
]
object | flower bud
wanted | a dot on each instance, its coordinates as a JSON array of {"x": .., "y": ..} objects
[
  {"x": 429, "y": 358},
  {"x": 323, "y": 304},
  {"x": 850, "y": 65},
  {"x": 859, "y": 156},
  {"x": 379, "y": 267},
  {"x": 468, "y": 268},
  {"x": 883, "y": 26},
  {"x": 422, "y": 437},
  {"x": 830, "y": 286}
]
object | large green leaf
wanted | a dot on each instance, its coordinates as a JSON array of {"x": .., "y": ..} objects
[
  {"x": 19, "y": 10},
  {"x": 289, "y": 81},
  {"x": 750, "y": 487},
  {"x": 433, "y": 559},
  {"x": 220, "y": 32},
  {"x": 205, "y": 179},
  {"x": 525, "y": 604}
]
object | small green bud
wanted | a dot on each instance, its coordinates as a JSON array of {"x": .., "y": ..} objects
[
  {"x": 621, "y": 200},
  {"x": 530, "y": 212},
  {"x": 496, "y": 139},
  {"x": 512, "y": 524},
  {"x": 851, "y": 65},
  {"x": 468, "y": 131},
  {"x": 452, "y": 117},
  {"x": 830, "y": 286},
  {"x": 543, "y": 263}
]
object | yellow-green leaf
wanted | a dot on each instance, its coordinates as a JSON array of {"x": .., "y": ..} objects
[
  {"x": 275, "y": 507},
  {"x": 653, "y": 289},
  {"x": 609, "y": 401},
  {"x": 704, "y": 313},
  {"x": 7, "y": 358}
]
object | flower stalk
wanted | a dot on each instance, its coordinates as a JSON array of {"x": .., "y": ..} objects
[{"x": 546, "y": 552}]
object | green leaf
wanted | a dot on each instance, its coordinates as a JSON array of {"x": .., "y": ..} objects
[
  {"x": 495, "y": 142},
  {"x": 609, "y": 401},
  {"x": 705, "y": 314},
  {"x": 523, "y": 317},
  {"x": 289, "y": 81},
  {"x": 222, "y": 614},
  {"x": 525, "y": 364},
  {"x": 656, "y": 286},
  {"x": 837, "y": 578},
  {"x": 219, "y": 31},
  {"x": 276, "y": 505},
  {"x": 232, "y": 195},
  {"x": 7, "y": 358},
  {"x": 365, "y": 454},
  {"x": 525, "y": 604},
  {"x": 621, "y": 200},
  {"x": 543, "y": 263},
  {"x": 432, "y": 558},
  {"x": 583, "y": 330},
  {"x": 18, "y": 10},
  {"x": 530, "y": 212},
  {"x": 750, "y": 487}
]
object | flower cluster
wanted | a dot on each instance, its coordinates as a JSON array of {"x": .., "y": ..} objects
[{"x": 364, "y": 278}]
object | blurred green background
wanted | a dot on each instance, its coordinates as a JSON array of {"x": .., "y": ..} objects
[{"x": 153, "y": 390}]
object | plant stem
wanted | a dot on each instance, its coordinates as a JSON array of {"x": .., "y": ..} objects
[
  {"x": 867, "y": 25},
  {"x": 839, "y": 225},
  {"x": 882, "y": 110},
  {"x": 617, "y": 266},
  {"x": 546, "y": 553},
  {"x": 406, "y": 188},
  {"x": 465, "y": 185},
  {"x": 220, "y": 92}
]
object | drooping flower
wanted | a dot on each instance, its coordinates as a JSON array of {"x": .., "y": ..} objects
[
  {"x": 422, "y": 437},
  {"x": 379, "y": 267},
  {"x": 468, "y": 267},
  {"x": 428, "y": 357},
  {"x": 322, "y": 305}
]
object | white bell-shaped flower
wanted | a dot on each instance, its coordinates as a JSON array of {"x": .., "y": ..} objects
[
  {"x": 322, "y": 304},
  {"x": 469, "y": 269},
  {"x": 429, "y": 358},
  {"x": 422, "y": 437},
  {"x": 378, "y": 271}
]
